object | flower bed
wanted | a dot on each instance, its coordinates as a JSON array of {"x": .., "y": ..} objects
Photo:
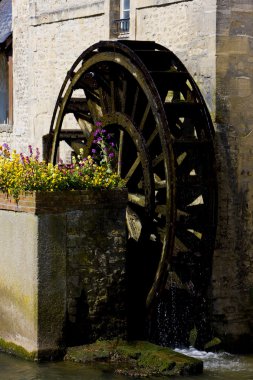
[{"x": 20, "y": 173}]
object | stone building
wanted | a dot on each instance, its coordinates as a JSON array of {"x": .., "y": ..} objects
[{"x": 214, "y": 41}]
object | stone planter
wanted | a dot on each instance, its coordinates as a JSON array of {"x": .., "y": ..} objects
[{"x": 62, "y": 270}]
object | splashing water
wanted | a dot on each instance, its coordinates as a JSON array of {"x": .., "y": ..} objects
[
  {"x": 222, "y": 365},
  {"x": 212, "y": 360}
]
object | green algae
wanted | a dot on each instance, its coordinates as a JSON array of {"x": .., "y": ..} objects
[
  {"x": 138, "y": 358},
  {"x": 212, "y": 343},
  {"x": 38, "y": 355},
  {"x": 14, "y": 349}
]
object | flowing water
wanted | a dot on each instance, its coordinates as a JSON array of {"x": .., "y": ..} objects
[{"x": 221, "y": 366}]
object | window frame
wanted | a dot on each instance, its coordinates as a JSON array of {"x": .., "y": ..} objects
[{"x": 6, "y": 49}]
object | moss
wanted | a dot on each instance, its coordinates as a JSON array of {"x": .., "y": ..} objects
[
  {"x": 99, "y": 351},
  {"x": 212, "y": 343},
  {"x": 14, "y": 294},
  {"x": 40, "y": 355},
  {"x": 193, "y": 336},
  {"x": 17, "y": 350},
  {"x": 136, "y": 358}
]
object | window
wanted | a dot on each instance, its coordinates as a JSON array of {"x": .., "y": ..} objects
[
  {"x": 6, "y": 62},
  {"x": 6, "y": 98},
  {"x": 124, "y": 16},
  {"x": 120, "y": 18},
  {"x": 125, "y": 9}
]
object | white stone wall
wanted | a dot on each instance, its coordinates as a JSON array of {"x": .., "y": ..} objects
[
  {"x": 18, "y": 307},
  {"x": 47, "y": 40},
  {"x": 49, "y": 37},
  {"x": 188, "y": 28}
]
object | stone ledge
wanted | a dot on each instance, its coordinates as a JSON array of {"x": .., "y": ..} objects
[
  {"x": 6, "y": 128},
  {"x": 56, "y": 202},
  {"x": 47, "y": 12},
  {"x": 158, "y": 3},
  {"x": 136, "y": 359}
]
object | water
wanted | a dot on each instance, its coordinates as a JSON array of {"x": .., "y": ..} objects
[{"x": 221, "y": 366}]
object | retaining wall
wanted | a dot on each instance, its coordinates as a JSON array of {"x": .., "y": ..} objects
[{"x": 62, "y": 260}]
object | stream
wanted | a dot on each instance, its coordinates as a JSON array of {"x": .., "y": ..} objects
[{"x": 218, "y": 366}]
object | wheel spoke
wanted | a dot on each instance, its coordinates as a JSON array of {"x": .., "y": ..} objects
[
  {"x": 137, "y": 199},
  {"x": 157, "y": 160},
  {"x": 152, "y": 137},
  {"x": 161, "y": 209},
  {"x": 134, "y": 224},
  {"x": 102, "y": 101},
  {"x": 112, "y": 88},
  {"x": 189, "y": 239},
  {"x": 136, "y": 95},
  {"x": 123, "y": 95},
  {"x": 159, "y": 183},
  {"x": 144, "y": 117},
  {"x": 132, "y": 169},
  {"x": 120, "y": 151}
]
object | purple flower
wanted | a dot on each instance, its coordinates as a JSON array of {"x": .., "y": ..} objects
[
  {"x": 112, "y": 144},
  {"x": 6, "y": 146},
  {"x": 22, "y": 158},
  {"x": 98, "y": 124},
  {"x": 97, "y": 131},
  {"x": 37, "y": 154},
  {"x": 30, "y": 150},
  {"x": 111, "y": 155},
  {"x": 93, "y": 151}
]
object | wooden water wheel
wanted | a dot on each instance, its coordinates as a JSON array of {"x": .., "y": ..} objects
[{"x": 145, "y": 97}]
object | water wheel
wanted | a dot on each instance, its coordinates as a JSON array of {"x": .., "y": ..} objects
[{"x": 146, "y": 98}]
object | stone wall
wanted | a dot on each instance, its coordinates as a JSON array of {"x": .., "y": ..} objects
[
  {"x": 233, "y": 260},
  {"x": 62, "y": 270},
  {"x": 33, "y": 280},
  {"x": 41, "y": 63},
  {"x": 96, "y": 283},
  {"x": 46, "y": 41},
  {"x": 188, "y": 28}
]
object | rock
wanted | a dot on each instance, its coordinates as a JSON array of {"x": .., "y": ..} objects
[{"x": 136, "y": 359}]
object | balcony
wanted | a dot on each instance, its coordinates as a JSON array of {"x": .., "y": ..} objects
[{"x": 120, "y": 27}]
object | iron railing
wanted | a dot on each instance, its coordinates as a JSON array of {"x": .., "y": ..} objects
[{"x": 121, "y": 26}]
